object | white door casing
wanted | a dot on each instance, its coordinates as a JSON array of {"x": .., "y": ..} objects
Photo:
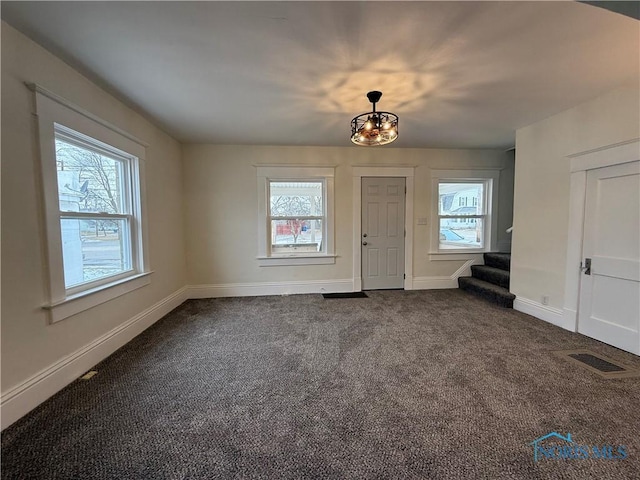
[
  {"x": 383, "y": 232},
  {"x": 609, "y": 308},
  {"x": 619, "y": 153}
]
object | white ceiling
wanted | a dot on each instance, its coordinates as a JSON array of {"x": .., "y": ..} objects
[{"x": 458, "y": 74}]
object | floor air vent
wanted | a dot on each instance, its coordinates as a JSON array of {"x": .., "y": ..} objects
[
  {"x": 345, "y": 295},
  {"x": 599, "y": 364}
]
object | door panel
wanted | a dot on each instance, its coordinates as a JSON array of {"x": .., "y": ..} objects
[
  {"x": 392, "y": 262},
  {"x": 610, "y": 291},
  {"x": 383, "y": 206},
  {"x": 373, "y": 213},
  {"x": 373, "y": 258},
  {"x": 392, "y": 219}
]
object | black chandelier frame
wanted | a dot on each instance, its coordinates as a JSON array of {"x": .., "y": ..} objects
[{"x": 374, "y": 128}]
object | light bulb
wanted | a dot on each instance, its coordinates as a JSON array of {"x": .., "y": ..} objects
[
  {"x": 368, "y": 125},
  {"x": 387, "y": 126}
]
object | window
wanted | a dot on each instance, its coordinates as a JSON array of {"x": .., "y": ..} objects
[
  {"x": 464, "y": 209},
  {"x": 296, "y": 216},
  {"x": 97, "y": 223},
  {"x": 93, "y": 191},
  {"x": 473, "y": 219}
]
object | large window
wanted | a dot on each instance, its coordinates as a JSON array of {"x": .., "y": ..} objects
[
  {"x": 295, "y": 215},
  {"x": 464, "y": 210},
  {"x": 97, "y": 220},
  {"x": 92, "y": 179}
]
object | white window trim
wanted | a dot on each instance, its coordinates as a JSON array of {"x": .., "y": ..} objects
[
  {"x": 491, "y": 233},
  {"x": 268, "y": 173},
  {"x": 52, "y": 112}
]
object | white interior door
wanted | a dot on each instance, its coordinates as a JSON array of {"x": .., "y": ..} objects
[
  {"x": 610, "y": 288},
  {"x": 383, "y": 204}
]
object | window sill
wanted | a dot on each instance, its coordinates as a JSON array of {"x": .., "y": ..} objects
[
  {"x": 80, "y": 302},
  {"x": 285, "y": 260},
  {"x": 468, "y": 255}
]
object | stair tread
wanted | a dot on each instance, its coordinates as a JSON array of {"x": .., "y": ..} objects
[
  {"x": 489, "y": 291},
  {"x": 491, "y": 275},
  {"x": 489, "y": 268},
  {"x": 488, "y": 286}
]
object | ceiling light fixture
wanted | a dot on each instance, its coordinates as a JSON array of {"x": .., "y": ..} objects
[{"x": 374, "y": 128}]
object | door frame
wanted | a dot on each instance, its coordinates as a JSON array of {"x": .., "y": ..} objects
[
  {"x": 581, "y": 163},
  {"x": 382, "y": 171}
]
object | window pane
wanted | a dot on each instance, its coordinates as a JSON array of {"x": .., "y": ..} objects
[
  {"x": 291, "y": 236},
  {"x": 460, "y": 198},
  {"x": 94, "y": 249},
  {"x": 289, "y": 199},
  {"x": 461, "y": 233},
  {"x": 89, "y": 181}
]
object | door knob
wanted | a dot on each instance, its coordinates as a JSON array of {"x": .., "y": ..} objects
[
  {"x": 364, "y": 243},
  {"x": 364, "y": 235}
]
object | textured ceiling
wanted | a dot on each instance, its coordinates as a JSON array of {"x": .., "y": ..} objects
[{"x": 458, "y": 74}]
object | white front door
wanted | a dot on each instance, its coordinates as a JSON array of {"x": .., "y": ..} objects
[
  {"x": 609, "y": 307},
  {"x": 383, "y": 204}
]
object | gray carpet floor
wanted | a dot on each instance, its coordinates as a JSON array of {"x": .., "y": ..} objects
[{"x": 415, "y": 384}]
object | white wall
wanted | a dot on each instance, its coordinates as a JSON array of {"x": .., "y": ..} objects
[
  {"x": 34, "y": 352},
  {"x": 221, "y": 207},
  {"x": 542, "y": 176}
]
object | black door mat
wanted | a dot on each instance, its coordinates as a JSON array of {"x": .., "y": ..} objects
[
  {"x": 345, "y": 295},
  {"x": 599, "y": 364}
]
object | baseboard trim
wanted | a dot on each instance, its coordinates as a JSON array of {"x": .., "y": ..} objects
[
  {"x": 270, "y": 288},
  {"x": 543, "y": 312},
  {"x": 435, "y": 283},
  {"x": 570, "y": 318},
  {"x": 21, "y": 399}
]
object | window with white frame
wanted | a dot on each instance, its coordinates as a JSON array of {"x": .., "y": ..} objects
[
  {"x": 93, "y": 190},
  {"x": 96, "y": 211},
  {"x": 296, "y": 215},
  {"x": 464, "y": 210}
]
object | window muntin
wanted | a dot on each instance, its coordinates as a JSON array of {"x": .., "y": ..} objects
[
  {"x": 96, "y": 213},
  {"x": 462, "y": 214},
  {"x": 296, "y": 217}
]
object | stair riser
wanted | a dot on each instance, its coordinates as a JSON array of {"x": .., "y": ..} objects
[
  {"x": 501, "y": 299},
  {"x": 501, "y": 279},
  {"x": 507, "y": 303},
  {"x": 498, "y": 261}
]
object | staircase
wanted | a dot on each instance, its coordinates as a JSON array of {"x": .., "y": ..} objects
[{"x": 491, "y": 280}]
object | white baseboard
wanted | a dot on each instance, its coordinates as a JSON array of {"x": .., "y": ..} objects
[
  {"x": 21, "y": 399},
  {"x": 270, "y": 288},
  {"x": 434, "y": 283},
  {"x": 543, "y": 312},
  {"x": 570, "y": 319}
]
